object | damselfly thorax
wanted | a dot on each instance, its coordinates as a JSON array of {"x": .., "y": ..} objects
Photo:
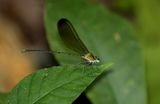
[{"x": 90, "y": 59}]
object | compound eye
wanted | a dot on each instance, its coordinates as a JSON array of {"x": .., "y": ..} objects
[{"x": 97, "y": 58}]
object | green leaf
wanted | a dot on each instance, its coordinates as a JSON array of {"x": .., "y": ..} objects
[
  {"x": 58, "y": 85},
  {"x": 109, "y": 37},
  {"x": 3, "y": 97}
]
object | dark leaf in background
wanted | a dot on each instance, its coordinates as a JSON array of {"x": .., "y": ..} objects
[{"x": 109, "y": 37}]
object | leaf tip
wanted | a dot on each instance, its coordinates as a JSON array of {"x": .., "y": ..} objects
[{"x": 105, "y": 66}]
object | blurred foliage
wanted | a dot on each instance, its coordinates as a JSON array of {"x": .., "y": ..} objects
[
  {"x": 12, "y": 62},
  {"x": 148, "y": 23},
  {"x": 123, "y": 5},
  {"x": 3, "y": 97}
]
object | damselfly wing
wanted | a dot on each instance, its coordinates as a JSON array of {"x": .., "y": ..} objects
[{"x": 71, "y": 39}]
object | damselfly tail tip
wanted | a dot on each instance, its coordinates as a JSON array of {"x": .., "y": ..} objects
[{"x": 25, "y": 50}]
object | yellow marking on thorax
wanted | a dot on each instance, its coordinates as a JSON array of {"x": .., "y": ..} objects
[{"x": 88, "y": 57}]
